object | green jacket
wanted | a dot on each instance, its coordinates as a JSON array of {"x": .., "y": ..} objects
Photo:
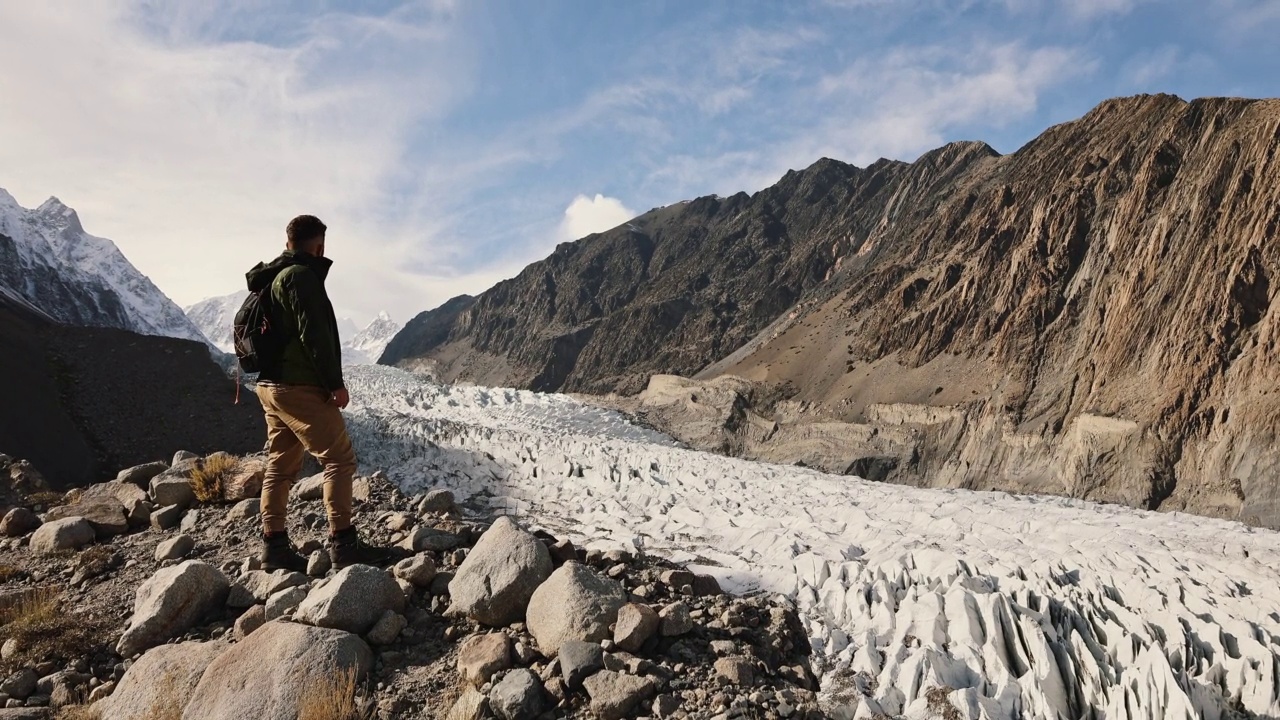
[{"x": 300, "y": 306}]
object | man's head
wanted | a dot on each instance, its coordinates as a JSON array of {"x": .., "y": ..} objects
[{"x": 306, "y": 234}]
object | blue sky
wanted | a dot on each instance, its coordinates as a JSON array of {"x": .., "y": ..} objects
[{"x": 449, "y": 143}]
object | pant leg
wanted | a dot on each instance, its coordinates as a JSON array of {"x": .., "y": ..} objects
[
  {"x": 319, "y": 426},
  {"x": 284, "y": 462}
]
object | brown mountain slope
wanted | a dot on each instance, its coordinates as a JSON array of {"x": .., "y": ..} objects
[{"x": 1089, "y": 316}]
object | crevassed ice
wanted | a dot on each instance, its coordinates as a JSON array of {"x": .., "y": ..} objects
[{"x": 1015, "y": 607}]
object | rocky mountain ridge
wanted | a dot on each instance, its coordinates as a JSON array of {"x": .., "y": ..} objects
[{"x": 1088, "y": 316}]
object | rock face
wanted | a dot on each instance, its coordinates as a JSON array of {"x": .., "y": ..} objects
[
  {"x": 1019, "y": 322},
  {"x": 171, "y": 601},
  {"x": 497, "y": 579},
  {"x": 573, "y": 604},
  {"x": 160, "y": 682},
  {"x": 267, "y": 674}
]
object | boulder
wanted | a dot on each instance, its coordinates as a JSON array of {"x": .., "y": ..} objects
[
  {"x": 171, "y": 602},
  {"x": 140, "y": 475},
  {"x": 160, "y": 683},
  {"x": 190, "y": 521},
  {"x": 284, "y": 602},
  {"x": 735, "y": 671},
  {"x": 26, "y": 713},
  {"x": 517, "y": 696},
  {"x": 636, "y": 624},
  {"x": 246, "y": 482},
  {"x": 63, "y": 687},
  {"x": 419, "y": 570},
  {"x": 18, "y": 522},
  {"x": 319, "y": 563},
  {"x": 66, "y": 534},
  {"x": 175, "y": 548},
  {"x": 614, "y": 695},
  {"x": 578, "y": 661},
  {"x": 438, "y": 501},
  {"x": 184, "y": 458},
  {"x": 104, "y": 514},
  {"x": 388, "y": 628},
  {"x": 429, "y": 539},
  {"x": 573, "y": 604},
  {"x": 172, "y": 488},
  {"x": 166, "y": 517},
  {"x": 470, "y": 705},
  {"x": 22, "y": 684},
  {"x": 311, "y": 488},
  {"x": 676, "y": 619},
  {"x": 124, "y": 492},
  {"x": 480, "y": 657},
  {"x": 262, "y": 584},
  {"x": 268, "y": 675},
  {"x": 248, "y": 509},
  {"x": 353, "y": 600},
  {"x": 252, "y": 619},
  {"x": 138, "y": 513},
  {"x": 494, "y": 584},
  {"x": 705, "y": 585}
]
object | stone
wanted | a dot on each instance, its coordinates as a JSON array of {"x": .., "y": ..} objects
[
  {"x": 138, "y": 513},
  {"x": 245, "y": 510},
  {"x": 635, "y": 625},
  {"x": 171, "y": 602},
  {"x": 319, "y": 563},
  {"x": 22, "y": 684},
  {"x": 246, "y": 482},
  {"x": 440, "y": 586},
  {"x": 311, "y": 488},
  {"x": 66, "y": 534},
  {"x": 63, "y": 688},
  {"x": 419, "y": 570},
  {"x": 563, "y": 551},
  {"x": 665, "y": 706},
  {"x": 170, "y": 488},
  {"x": 266, "y": 675},
  {"x": 262, "y": 584},
  {"x": 166, "y": 517},
  {"x": 705, "y": 586},
  {"x": 437, "y": 502},
  {"x": 160, "y": 683},
  {"x": 676, "y": 579},
  {"x": 184, "y": 457},
  {"x": 102, "y": 692},
  {"x": 429, "y": 539},
  {"x": 18, "y": 522},
  {"x": 190, "y": 521},
  {"x": 140, "y": 475},
  {"x": 498, "y": 578},
  {"x": 578, "y": 661},
  {"x": 735, "y": 671},
  {"x": 122, "y": 492},
  {"x": 480, "y": 657},
  {"x": 353, "y": 600},
  {"x": 470, "y": 705},
  {"x": 723, "y": 647},
  {"x": 517, "y": 696},
  {"x": 250, "y": 620},
  {"x": 104, "y": 514},
  {"x": 240, "y": 598},
  {"x": 676, "y": 620},
  {"x": 284, "y": 602},
  {"x": 388, "y": 628},
  {"x": 175, "y": 548},
  {"x": 614, "y": 695},
  {"x": 573, "y": 604}
]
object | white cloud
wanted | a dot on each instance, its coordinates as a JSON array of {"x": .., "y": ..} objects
[{"x": 586, "y": 215}]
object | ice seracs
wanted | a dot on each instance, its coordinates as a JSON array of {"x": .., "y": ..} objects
[{"x": 995, "y": 605}]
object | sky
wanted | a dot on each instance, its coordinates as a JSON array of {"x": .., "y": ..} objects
[{"x": 448, "y": 143}]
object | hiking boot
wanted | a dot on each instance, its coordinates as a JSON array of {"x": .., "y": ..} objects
[
  {"x": 278, "y": 554},
  {"x": 346, "y": 548}
]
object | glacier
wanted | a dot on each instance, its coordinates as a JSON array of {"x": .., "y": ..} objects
[{"x": 994, "y": 605}]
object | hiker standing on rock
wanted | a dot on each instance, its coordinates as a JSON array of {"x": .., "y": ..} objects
[{"x": 287, "y": 332}]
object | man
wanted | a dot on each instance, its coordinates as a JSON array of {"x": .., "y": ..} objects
[{"x": 302, "y": 393}]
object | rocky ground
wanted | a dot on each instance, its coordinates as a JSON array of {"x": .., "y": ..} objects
[{"x": 135, "y": 599}]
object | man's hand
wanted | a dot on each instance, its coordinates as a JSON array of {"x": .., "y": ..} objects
[{"x": 341, "y": 398}]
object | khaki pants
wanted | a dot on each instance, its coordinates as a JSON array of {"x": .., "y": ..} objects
[{"x": 301, "y": 419}]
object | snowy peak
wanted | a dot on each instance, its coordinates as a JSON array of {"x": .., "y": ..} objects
[
  {"x": 48, "y": 260},
  {"x": 215, "y": 316},
  {"x": 366, "y": 346}
]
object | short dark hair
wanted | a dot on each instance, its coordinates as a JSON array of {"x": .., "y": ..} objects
[{"x": 304, "y": 228}]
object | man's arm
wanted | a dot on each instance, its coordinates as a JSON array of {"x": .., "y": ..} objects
[{"x": 305, "y": 297}]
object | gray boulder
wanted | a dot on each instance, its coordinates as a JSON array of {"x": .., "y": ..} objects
[
  {"x": 18, "y": 522},
  {"x": 104, "y": 513},
  {"x": 175, "y": 548},
  {"x": 262, "y": 584},
  {"x": 171, "y": 602},
  {"x": 284, "y": 602},
  {"x": 161, "y": 682},
  {"x": 614, "y": 695},
  {"x": 388, "y": 628},
  {"x": 184, "y": 457},
  {"x": 252, "y": 619},
  {"x": 275, "y": 672},
  {"x": 172, "y": 487},
  {"x": 470, "y": 705},
  {"x": 480, "y": 657},
  {"x": 166, "y": 517},
  {"x": 311, "y": 488},
  {"x": 675, "y": 619},
  {"x": 574, "y": 604},
  {"x": 66, "y": 534},
  {"x": 636, "y": 624},
  {"x": 419, "y": 570},
  {"x": 499, "y": 576},
  {"x": 429, "y": 539},
  {"x": 438, "y": 501},
  {"x": 22, "y": 684},
  {"x": 140, "y": 475},
  {"x": 245, "y": 510},
  {"x": 353, "y": 600},
  {"x": 518, "y": 696},
  {"x": 578, "y": 661}
]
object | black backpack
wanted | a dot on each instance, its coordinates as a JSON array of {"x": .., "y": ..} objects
[{"x": 259, "y": 343}]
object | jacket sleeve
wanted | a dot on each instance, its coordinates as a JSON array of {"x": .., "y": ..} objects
[{"x": 304, "y": 297}]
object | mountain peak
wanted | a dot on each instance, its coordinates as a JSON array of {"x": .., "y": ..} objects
[{"x": 58, "y": 213}]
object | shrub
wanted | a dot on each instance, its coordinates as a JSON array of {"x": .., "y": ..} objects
[
  {"x": 333, "y": 698},
  {"x": 45, "y": 631},
  {"x": 210, "y": 474}
]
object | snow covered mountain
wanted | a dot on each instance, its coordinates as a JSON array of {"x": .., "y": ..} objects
[
  {"x": 49, "y": 261},
  {"x": 919, "y": 603},
  {"x": 214, "y": 316}
]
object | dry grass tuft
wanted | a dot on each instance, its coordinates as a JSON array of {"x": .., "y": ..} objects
[
  {"x": 46, "y": 632},
  {"x": 10, "y": 572},
  {"x": 45, "y": 499},
  {"x": 79, "y": 712},
  {"x": 210, "y": 474},
  {"x": 333, "y": 698}
]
